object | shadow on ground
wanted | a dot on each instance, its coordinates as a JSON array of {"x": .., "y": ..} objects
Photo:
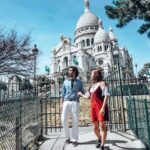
[
  {"x": 107, "y": 142},
  {"x": 113, "y": 142}
]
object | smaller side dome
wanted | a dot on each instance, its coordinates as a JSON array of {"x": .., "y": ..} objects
[
  {"x": 111, "y": 35},
  {"x": 101, "y": 35}
]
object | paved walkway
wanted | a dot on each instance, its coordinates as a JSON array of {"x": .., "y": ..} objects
[{"x": 87, "y": 141}]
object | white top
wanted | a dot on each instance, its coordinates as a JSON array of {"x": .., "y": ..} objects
[{"x": 103, "y": 88}]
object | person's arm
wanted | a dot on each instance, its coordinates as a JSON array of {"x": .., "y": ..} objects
[
  {"x": 86, "y": 95},
  {"x": 63, "y": 92},
  {"x": 105, "y": 94}
]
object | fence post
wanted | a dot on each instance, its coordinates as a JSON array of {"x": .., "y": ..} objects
[
  {"x": 147, "y": 120},
  {"x": 129, "y": 112},
  {"x": 110, "y": 119},
  {"x": 46, "y": 114},
  {"x": 41, "y": 116},
  {"x": 17, "y": 133},
  {"x": 122, "y": 102},
  {"x": 18, "y": 127},
  {"x": 136, "y": 124}
]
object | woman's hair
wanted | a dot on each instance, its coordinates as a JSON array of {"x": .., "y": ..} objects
[
  {"x": 97, "y": 75},
  {"x": 74, "y": 70}
]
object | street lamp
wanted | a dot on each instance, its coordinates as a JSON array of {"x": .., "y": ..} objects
[
  {"x": 35, "y": 53},
  {"x": 136, "y": 69}
]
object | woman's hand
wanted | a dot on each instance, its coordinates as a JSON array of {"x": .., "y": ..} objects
[
  {"x": 80, "y": 94},
  {"x": 102, "y": 111}
]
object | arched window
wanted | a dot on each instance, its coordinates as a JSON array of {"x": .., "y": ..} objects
[
  {"x": 92, "y": 41},
  {"x": 100, "y": 48},
  {"x": 65, "y": 45},
  {"x": 106, "y": 46},
  {"x": 83, "y": 41},
  {"x": 87, "y": 42},
  {"x": 58, "y": 65},
  {"x": 66, "y": 62}
]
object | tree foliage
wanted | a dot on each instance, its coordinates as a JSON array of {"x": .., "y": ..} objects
[
  {"x": 26, "y": 85},
  {"x": 145, "y": 70},
  {"x": 43, "y": 81},
  {"x": 15, "y": 53},
  {"x": 127, "y": 10}
]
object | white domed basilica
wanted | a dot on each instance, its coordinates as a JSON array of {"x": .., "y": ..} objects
[{"x": 93, "y": 47}]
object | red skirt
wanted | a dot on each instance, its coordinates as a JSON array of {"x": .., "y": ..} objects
[{"x": 95, "y": 111}]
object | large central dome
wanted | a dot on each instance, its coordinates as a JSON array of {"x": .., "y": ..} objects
[{"x": 88, "y": 18}]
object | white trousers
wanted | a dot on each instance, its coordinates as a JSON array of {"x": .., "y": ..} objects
[{"x": 70, "y": 108}]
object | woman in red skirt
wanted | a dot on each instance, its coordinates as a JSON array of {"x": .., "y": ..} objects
[{"x": 98, "y": 94}]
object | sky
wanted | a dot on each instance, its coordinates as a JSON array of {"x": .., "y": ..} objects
[{"x": 47, "y": 19}]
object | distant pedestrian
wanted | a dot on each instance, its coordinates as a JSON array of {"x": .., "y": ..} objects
[
  {"x": 70, "y": 104},
  {"x": 98, "y": 93}
]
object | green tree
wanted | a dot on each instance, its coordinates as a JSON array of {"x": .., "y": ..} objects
[
  {"x": 15, "y": 53},
  {"x": 43, "y": 80},
  {"x": 145, "y": 70},
  {"x": 26, "y": 85},
  {"x": 127, "y": 10}
]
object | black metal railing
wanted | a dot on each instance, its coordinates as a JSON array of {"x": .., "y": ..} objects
[
  {"x": 27, "y": 113},
  {"x": 120, "y": 89},
  {"x": 139, "y": 118},
  {"x": 20, "y": 117},
  {"x": 50, "y": 95},
  {"x": 129, "y": 104}
]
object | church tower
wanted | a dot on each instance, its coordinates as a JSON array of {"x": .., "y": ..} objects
[{"x": 86, "y": 28}]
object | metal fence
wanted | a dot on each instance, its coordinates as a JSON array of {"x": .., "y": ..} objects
[
  {"x": 52, "y": 109},
  {"x": 20, "y": 116},
  {"x": 50, "y": 95},
  {"x": 116, "y": 102},
  {"x": 129, "y": 105},
  {"x": 139, "y": 118},
  {"x": 27, "y": 113}
]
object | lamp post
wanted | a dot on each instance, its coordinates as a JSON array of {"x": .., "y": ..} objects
[
  {"x": 136, "y": 69},
  {"x": 35, "y": 53}
]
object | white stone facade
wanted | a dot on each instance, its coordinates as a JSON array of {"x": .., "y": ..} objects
[{"x": 92, "y": 47}]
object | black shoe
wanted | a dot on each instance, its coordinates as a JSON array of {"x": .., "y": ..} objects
[
  {"x": 98, "y": 144},
  {"x": 67, "y": 141},
  {"x": 75, "y": 144},
  {"x": 102, "y": 148}
]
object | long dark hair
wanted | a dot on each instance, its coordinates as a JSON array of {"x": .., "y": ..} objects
[{"x": 97, "y": 75}]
